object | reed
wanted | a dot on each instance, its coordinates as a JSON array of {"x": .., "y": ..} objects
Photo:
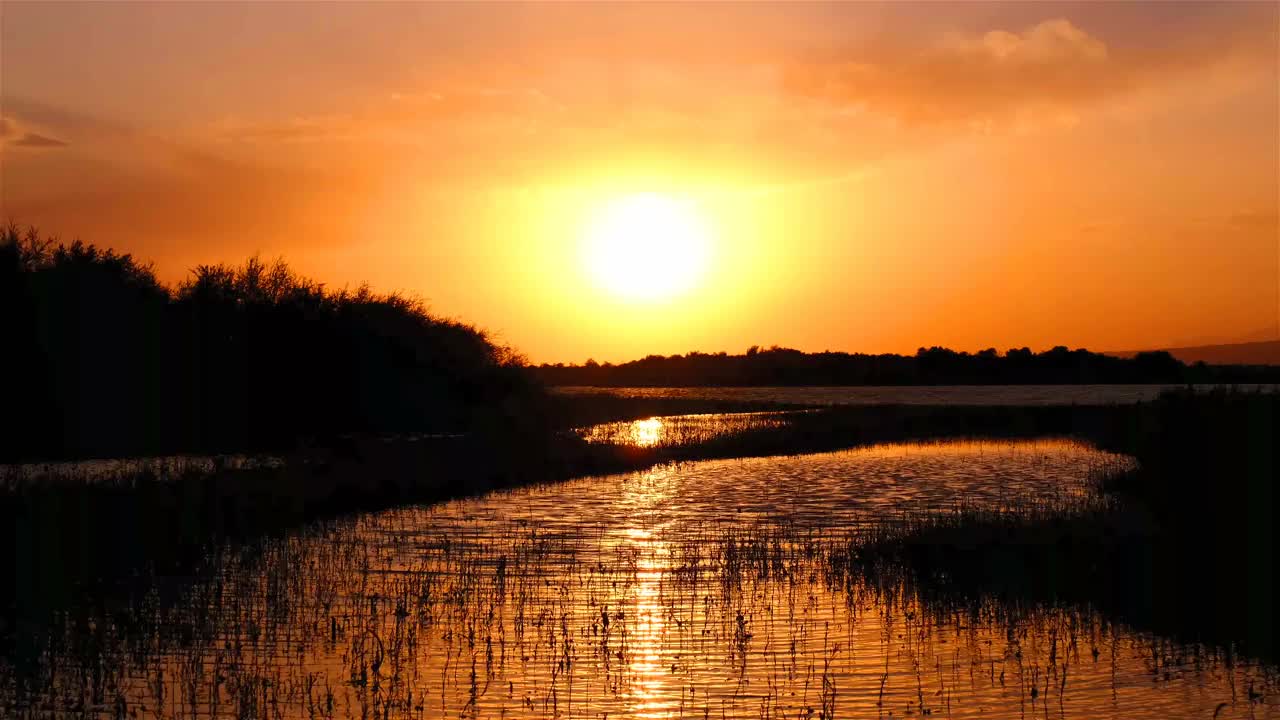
[{"x": 422, "y": 612}]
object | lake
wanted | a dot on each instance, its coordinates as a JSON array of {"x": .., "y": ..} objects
[
  {"x": 707, "y": 589},
  {"x": 903, "y": 394}
]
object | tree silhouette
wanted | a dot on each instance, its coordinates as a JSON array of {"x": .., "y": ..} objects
[{"x": 105, "y": 360}]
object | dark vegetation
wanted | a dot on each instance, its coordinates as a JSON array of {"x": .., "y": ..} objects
[
  {"x": 368, "y": 400},
  {"x": 1162, "y": 556},
  {"x": 573, "y": 411},
  {"x": 1193, "y": 533},
  {"x": 323, "y": 624},
  {"x": 1187, "y": 548},
  {"x": 777, "y": 366},
  {"x": 102, "y": 360},
  {"x": 69, "y": 531},
  {"x": 1260, "y": 352}
]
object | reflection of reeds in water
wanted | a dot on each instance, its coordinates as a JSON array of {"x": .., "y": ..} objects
[
  {"x": 681, "y": 430},
  {"x": 455, "y": 612}
]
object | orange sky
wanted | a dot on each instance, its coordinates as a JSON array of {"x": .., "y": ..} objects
[{"x": 877, "y": 177}]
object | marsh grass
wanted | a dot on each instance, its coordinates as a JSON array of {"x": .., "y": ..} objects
[
  {"x": 74, "y": 646},
  {"x": 387, "y": 615},
  {"x": 69, "y": 528},
  {"x": 1183, "y": 545},
  {"x": 585, "y": 410},
  {"x": 676, "y": 431},
  {"x": 126, "y": 472}
]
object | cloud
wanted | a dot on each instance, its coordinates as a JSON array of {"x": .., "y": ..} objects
[
  {"x": 14, "y": 133},
  {"x": 467, "y": 102},
  {"x": 35, "y": 140},
  {"x": 400, "y": 117},
  {"x": 299, "y": 129},
  {"x": 118, "y": 185},
  {"x": 1047, "y": 72},
  {"x": 1266, "y": 220}
]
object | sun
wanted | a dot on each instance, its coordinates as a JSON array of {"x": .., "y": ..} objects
[{"x": 646, "y": 247}]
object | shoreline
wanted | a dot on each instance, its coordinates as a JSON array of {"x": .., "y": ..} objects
[{"x": 67, "y": 538}]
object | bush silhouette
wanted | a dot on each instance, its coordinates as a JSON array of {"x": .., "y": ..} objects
[{"x": 105, "y": 360}]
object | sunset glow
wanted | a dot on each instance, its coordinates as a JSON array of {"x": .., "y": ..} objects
[
  {"x": 613, "y": 180},
  {"x": 587, "y": 360},
  {"x": 646, "y": 247}
]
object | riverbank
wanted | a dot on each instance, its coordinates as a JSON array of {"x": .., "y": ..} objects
[
  {"x": 69, "y": 534},
  {"x": 170, "y": 505},
  {"x": 1183, "y": 546}
]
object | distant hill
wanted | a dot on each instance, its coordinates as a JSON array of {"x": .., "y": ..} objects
[{"x": 1249, "y": 353}]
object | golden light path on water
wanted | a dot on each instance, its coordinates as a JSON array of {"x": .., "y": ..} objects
[
  {"x": 647, "y": 433},
  {"x": 712, "y": 589},
  {"x": 680, "y": 429}
]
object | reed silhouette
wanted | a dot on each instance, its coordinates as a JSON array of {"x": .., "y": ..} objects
[
  {"x": 365, "y": 400},
  {"x": 488, "y": 608},
  {"x": 1186, "y": 548}
]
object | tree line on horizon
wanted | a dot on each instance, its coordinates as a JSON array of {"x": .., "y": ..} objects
[
  {"x": 929, "y": 366},
  {"x": 103, "y": 360}
]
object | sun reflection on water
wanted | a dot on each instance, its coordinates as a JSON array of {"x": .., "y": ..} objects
[
  {"x": 674, "y": 430},
  {"x": 646, "y": 433},
  {"x": 717, "y": 589},
  {"x": 642, "y": 541}
]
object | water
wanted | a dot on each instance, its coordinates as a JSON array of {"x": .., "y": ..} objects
[
  {"x": 675, "y": 430},
  {"x": 709, "y": 589},
  {"x": 905, "y": 394}
]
